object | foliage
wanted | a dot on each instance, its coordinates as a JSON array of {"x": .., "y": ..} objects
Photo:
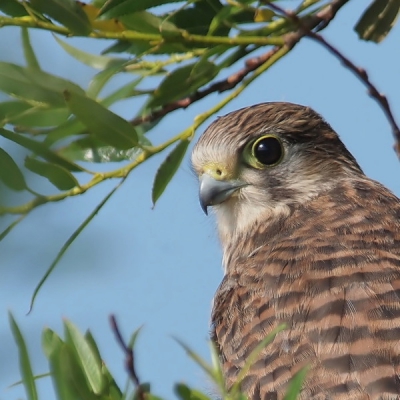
[
  {"x": 171, "y": 57},
  {"x": 171, "y": 53},
  {"x": 79, "y": 372}
]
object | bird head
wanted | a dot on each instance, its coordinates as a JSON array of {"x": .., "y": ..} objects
[{"x": 260, "y": 161}]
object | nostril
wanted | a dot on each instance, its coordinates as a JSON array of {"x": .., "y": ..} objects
[{"x": 218, "y": 172}]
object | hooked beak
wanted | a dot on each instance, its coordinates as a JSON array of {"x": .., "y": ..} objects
[{"x": 213, "y": 191}]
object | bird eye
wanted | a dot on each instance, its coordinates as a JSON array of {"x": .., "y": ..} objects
[{"x": 265, "y": 151}]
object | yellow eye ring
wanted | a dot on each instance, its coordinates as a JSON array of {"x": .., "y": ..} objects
[{"x": 265, "y": 151}]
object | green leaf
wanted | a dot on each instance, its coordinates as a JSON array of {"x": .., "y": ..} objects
[
  {"x": 24, "y": 361},
  {"x": 57, "y": 353},
  {"x": 40, "y": 117},
  {"x": 40, "y": 149},
  {"x": 12, "y": 8},
  {"x": 10, "y": 174},
  {"x": 134, "y": 336},
  {"x": 116, "y": 8},
  {"x": 222, "y": 18},
  {"x": 69, "y": 242},
  {"x": 122, "y": 93},
  {"x": 101, "y": 122},
  {"x": 168, "y": 169},
  {"x": 93, "y": 150},
  {"x": 377, "y": 20},
  {"x": 198, "y": 360},
  {"x": 67, "y": 12},
  {"x": 92, "y": 60},
  {"x": 34, "y": 85},
  {"x": 71, "y": 127},
  {"x": 93, "y": 346},
  {"x": 183, "y": 81},
  {"x": 100, "y": 80},
  {"x": 295, "y": 385},
  {"x": 29, "y": 53},
  {"x": 254, "y": 355},
  {"x": 183, "y": 391},
  {"x": 86, "y": 358},
  {"x": 10, "y": 227},
  {"x": 63, "y": 373},
  {"x": 197, "y": 19},
  {"x": 144, "y": 21},
  {"x": 10, "y": 108},
  {"x": 58, "y": 176},
  {"x": 51, "y": 342}
]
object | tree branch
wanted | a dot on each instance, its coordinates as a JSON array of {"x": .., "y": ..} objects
[
  {"x": 129, "y": 358},
  {"x": 320, "y": 20},
  {"x": 360, "y": 72}
]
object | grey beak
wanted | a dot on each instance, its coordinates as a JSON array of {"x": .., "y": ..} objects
[{"x": 213, "y": 191}]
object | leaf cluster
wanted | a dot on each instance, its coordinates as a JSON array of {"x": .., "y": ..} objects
[{"x": 78, "y": 371}]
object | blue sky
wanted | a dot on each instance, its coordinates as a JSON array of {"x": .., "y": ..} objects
[{"x": 160, "y": 268}]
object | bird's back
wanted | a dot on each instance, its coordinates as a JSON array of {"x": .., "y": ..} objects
[{"x": 330, "y": 271}]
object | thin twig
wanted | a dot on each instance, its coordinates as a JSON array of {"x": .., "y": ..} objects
[
  {"x": 129, "y": 358},
  {"x": 360, "y": 72},
  {"x": 320, "y": 20}
]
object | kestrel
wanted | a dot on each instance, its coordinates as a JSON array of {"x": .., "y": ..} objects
[{"x": 308, "y": 241}]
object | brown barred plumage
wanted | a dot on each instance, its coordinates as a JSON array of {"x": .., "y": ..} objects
[{"x": 310, "y": 242}]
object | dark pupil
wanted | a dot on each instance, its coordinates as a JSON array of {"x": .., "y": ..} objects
[{"x": 268, "y": 151}]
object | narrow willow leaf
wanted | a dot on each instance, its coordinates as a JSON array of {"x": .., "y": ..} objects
[
  {"x": 100, "y": 80},
  {"x": 377, "y": 20},
  {"x": 67, "y": 12},
  {"x": 222, "y": 17},
  {"x": 60, "y": 373},
  {"x": 29, "y": 54},
  {"x": 71, "y": 127},
  {"x": 183, "y": 81},
  {"x": 216, "y": 364},
  {"x": 60, "y": 177},
  {"x": 10, "y": 173},
  {"x": 12, "y": 8},
  {"x": 34, "y": 85},
  {"x": 40, "y": 117},
  {"x": 135, "y": 335},
  {"x": 144, "y": 21},
  {"x": 68, "y": 243},
  {"x": 186, "y": 393},
  {"x": 86, "y": 358},
  {"x": 51, "y": 342},
  {"x": 93, "y": 346},
  {"x": 74, "y": 373},
  {"x": 92, "y": 60},
  {"x": 8, "y": 109},
  {"x": 24, "y": 362},
  {"x": 197, "y": 19},
  {"x": 40, "y": 149},
  {"x": 183, "y": 391},
  {"x": 122, "y": 93},
  {"x": 168, "y": 169},
  {"x": 93, "y": 150},
  {"x": 295, "y": 385},
  {"x": 101, "y": 122},
  {"x": 36, "y": 377},
  {"x": 114, "y": 392},
  {"x": 254, "y": 355},
  {"x": 11, "y": 226},
  {"x": 198, "y": 360},
  {"x": 116, "y": 8}
]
